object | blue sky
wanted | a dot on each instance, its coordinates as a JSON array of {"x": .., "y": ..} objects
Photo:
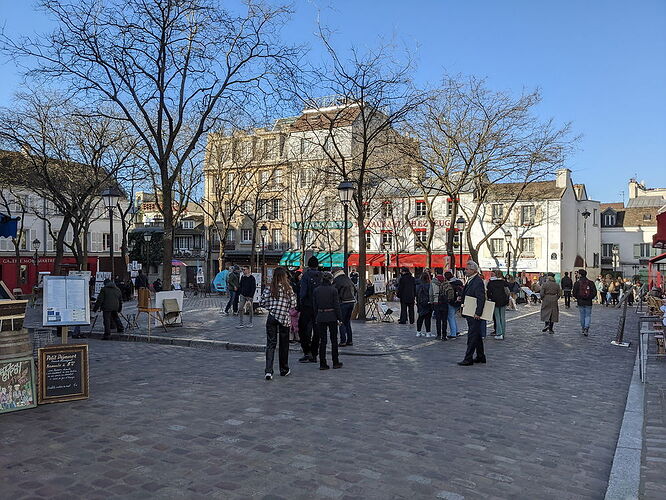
[{"x": 600, "y": 64}]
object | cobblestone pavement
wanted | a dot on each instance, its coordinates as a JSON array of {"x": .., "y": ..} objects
[
  {"x": 653, "y": 466},
  {"x": 203, "y": 320},
  {"x": 540, "y": 420}
]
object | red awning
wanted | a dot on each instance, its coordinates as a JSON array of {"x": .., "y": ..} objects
[
  {"x": 659, "y": 239},
  {"x": 408, "y": 260}
]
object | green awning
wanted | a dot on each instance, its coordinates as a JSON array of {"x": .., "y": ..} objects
[
  {"x": 290, "y": 259},
  {"x": 326, "y": 259}
]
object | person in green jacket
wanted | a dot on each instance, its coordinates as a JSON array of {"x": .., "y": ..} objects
[{"x": 110, "y": 301}]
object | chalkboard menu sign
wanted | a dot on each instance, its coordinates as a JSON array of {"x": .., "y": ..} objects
[
  {"x": 17, "y": 384},
  {"x": 63, "y": 373}
]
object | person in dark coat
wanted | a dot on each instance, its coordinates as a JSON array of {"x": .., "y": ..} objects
[
  {"x": 406, "y": 293},
  {"x": 498, "y": 292},
  {"x": 567, "y": 288},
  {"x": 424, "y": 307},
  {"x": 310, "y": 280},
  {"x": 328, "y": 316},
  {"x": 474, "y": 288},
  {"x": 141, "y": 281},
  {"x": 347, "y": 293},
  {"x": 110, "y": 302},
  {"x": 584, "y": 291}
]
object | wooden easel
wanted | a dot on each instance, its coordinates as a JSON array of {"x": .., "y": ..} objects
[{"x": 151, "y": 312}]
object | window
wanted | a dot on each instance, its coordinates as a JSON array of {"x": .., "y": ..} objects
[
  {"x": 607, "y": 249},
  {"x": 420, "y": 236},
  {"x": 368, "y": 240},
  {"x": 609, "y": 220},
  {"x": 246, "y": 235},
  {"x": 644, "y": 251},
  {"x": 302, "y": 145},
  {"x": 449, "y": 208},
  {"x": 246, "y": 207},
  {"x": 183, "y": 242},
  {"x": 230, "y": 183},
  {"x": 527, "y": 246},
  {"x": 387, "y": 239},
  {"x": 420, "y": 208},
  {"x": 647, "y": 217},
  {"x": 246, "y": 149},
  {"x": 277, "y": 177},
  {"x": 306, "y": 177},
  {"x": 277, "y": 238},
  {"x": 595, "y": 217},
  {"x": 270, "y": 149},
  {"x": 496, "y": 246},
  {"x": 263, "y": 177},
  {"x": 387, "y": 209},
  {"x": 231, "y": 235},
  {"x": 595, "y": 259},
  {"x": 497, "y": 211},
  {"x": 276, "y": 213},
  {"x": 106, "y": 241},
  {"x": 187, "y": 224},
  {"x": 527, "y": 214}
]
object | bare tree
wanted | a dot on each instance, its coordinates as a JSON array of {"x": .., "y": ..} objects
[{"x": 170, "y": 69}]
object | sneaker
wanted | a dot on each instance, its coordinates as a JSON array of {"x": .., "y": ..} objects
[
  {"x": 269, "y": 376},
  {"x": 350, "y": 343},
  {"x": 429, "y": 335},
  {"x": 419, "y": 334},
  {"x": 286, "y": 374},
  {"x": 225, "y": 313},
  {"x": 499, "y": 337},
  {"x": 452, "y": 337},
  {"x": 585, "y": 331},
  {"x": 241, "y": 326}
]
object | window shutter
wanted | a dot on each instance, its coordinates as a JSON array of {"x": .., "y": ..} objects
[{"x": 637, "y": 251}]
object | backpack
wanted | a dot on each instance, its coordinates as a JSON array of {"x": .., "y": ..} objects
[
  {"x": 422, "y": 294},
  {"x": 445, "y": 295},
  {"x": 585, "y": 290},
  {"x": 458, "y": 288},
  {"x": 314, "y": 280}
]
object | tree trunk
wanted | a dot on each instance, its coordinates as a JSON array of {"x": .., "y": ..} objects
[
  {"x": 361, "y": 266},
  {"x": 167, "y": 252},
  {"x": 60, "y": 244},
  {"x": 450, "y": 236}
]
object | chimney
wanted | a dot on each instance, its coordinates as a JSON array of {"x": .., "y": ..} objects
[
  {"x": 563, "y": 178},
  {"x": 633, "y": 188}
]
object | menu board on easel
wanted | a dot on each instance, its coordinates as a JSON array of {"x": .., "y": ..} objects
[
  {"x": 63, "y": 373},
  {"x": 66, "y": 301}
]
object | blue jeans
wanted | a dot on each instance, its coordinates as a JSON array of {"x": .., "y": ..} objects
[
  {"x": 346, "y": 309},
  {"x": 585, "y": 316},
  {"x": 500, "y": 320},
  {"x": 453, "y": 323},
  {"x": 233, "y": 300}
]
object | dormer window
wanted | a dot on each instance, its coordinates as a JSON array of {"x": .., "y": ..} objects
[
  {"x": 647, "y": 217},
  {"x": 609, "y": 219}
]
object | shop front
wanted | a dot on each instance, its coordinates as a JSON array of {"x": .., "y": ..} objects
[{"x": 23, "y": 274}]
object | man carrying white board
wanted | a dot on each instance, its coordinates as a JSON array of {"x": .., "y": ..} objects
[{"x": 474, "y": 288}]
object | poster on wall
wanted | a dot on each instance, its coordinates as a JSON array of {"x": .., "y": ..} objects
[
  {"x": 257, "y": 291},
  {"x": 17, "y": 384},
  {"x": 66, "y": 301},
  {"x": 379, "y": 282}
]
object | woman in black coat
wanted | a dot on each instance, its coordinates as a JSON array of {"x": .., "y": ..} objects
[
  {"x": 424, "y": 306},
  {"x": 327, "y": 317}
]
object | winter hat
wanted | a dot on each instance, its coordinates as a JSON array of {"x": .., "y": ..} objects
[{"x": 313, "y": 262}]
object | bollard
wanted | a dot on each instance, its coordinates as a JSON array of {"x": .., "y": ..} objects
[{"x": 619, "y": 338}]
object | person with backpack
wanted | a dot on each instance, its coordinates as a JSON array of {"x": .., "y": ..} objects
[
  {"x": 441, "y": 294},
  {"x": 406, "y": 293},
  {"x": 584, "y": 292},
  {"x": 567, "y": 287},
  {"x": 454, "y": 305},
  {"x": 310, "y": 280},
  {"x": 423, "y": 305},
  {"x": 498, "y": 292}
]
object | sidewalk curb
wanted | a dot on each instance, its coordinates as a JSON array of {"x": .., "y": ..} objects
[{"x": 625, "y": 477}]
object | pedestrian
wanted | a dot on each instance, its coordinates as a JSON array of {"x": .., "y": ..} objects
[
  {"x": 614, "y": 290},
  {"x": 293, "y": 313},
  {"x": 406, "y": 293},
  {"x": 584, "y": 292},
  {"x": 599, "y": 285},
  {"x": 474, "y": 288},
  {"x": 567, "y": 287},
  {"x": 233, "y": 282},
  {"x": 550, "y": 311},
  {"x": 110, "y": 302},
  {"x": 328, "y": 317},
  {"x": 514, "y": 289},
  {"x": 141, "y": 281},
  {"x": 309, "y": 335},
  {"x": 441, "y": 294},
  {"x": 536, "y": 292},
  {"x": 246, "y": 288},
  {"x": 424, "y": 307},
  {"x": 347, "y": 296},
  {"x": 498, "y": 292},
  {"x": 454, "y": 306},
  {"x": 279, "y": 299}
]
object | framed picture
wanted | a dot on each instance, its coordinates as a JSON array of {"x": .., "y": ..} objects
[
  {"x": 63, "y": 373},
  {"x": 17, "y": 384}
]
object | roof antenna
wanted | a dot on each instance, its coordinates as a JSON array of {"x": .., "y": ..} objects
[{"x": 622, "y": 194}]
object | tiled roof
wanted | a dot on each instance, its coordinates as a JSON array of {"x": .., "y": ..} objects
[
  {"x": 324, "y": 120},
  {"x": 543, "y": 190},
  {"x": 631, "y": 217},
  {"x": 614, "y": 206},
  {"x": 646, "y": 201}
]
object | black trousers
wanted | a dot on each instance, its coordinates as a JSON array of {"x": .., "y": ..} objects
[
  {"x": 234, "y": 296},
  {"x": 424, "y": 318},
  {"x": 406, "y": 309},
  {"x": 307, "y": 332},
  {"x": 332, "y": 327},
  {"x": 567, "y": 298},
  {"x": 111, "y": 320},
  {"x": 474, "y": 340},
  {"x": 273, "y": 329},
  {"x": 441, "y": 312}
]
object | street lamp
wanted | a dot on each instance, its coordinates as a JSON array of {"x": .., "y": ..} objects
[
  {"x": 460, "y": 225},
  {"x": 111, "y": 196},
  {"x": 507, "y": 237},
  {"x": 346, "y": 192},
  {"x": 585, "y": 215},
  {"x": 36, "y": 244},
  {"x": 387, "y": 261},
  {"x": 264, "y": 231},
  {"x": 147, "y": 236}
]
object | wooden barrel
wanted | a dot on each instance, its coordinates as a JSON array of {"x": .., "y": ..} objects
[{"x": 15, "y": 344}]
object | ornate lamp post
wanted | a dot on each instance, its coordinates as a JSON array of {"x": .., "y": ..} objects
[
  {"x": 35, "y": 245},
  {"x": 264, "y": 231},
  {"x": 507, "y": 238},
  {"x": 460, "y": 226},
  {"x": 346, "y": 192},
  {"x": 585, "y": 215},
  {"x": 111, "y": 196},
  {"x": 387, "y": 262},
  {"x": 616, "y": 258},
  {"x": 147, "y": 236}
]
